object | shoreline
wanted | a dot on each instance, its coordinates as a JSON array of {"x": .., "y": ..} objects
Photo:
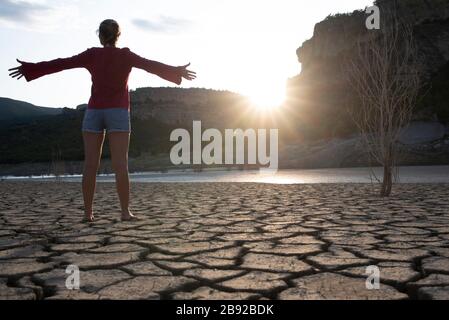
[{"x": 415, "y": 174}]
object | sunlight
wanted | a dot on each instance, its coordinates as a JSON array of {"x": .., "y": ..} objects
[
  {"x": 277, "y": 178},
  {"x": 266, "y": 96}
]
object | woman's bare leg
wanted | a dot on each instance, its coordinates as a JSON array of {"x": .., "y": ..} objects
[
  {"x": 93, "y": 145},
  {"x": 119, "y": 144}
]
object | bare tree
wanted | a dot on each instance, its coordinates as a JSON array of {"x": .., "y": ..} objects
[{"x": 383, "y": 73}]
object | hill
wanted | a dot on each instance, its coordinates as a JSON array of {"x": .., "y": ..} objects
[
  {"x": 14, "y": 111},
  {"x": 59, "y": 138}
]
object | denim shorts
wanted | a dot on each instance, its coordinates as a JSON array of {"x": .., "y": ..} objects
[{"x": 111, "y": 120}]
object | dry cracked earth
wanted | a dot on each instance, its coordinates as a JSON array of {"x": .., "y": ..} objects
[{"x": 225, "y": 241}]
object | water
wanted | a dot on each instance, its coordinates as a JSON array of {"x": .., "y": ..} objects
[{"x": 420, "y": 174}]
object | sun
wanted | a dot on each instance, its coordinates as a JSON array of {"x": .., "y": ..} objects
[{"x": 266, "y": 97}]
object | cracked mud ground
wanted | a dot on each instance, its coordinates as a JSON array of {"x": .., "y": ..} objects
[{"x": 225, "y": 241}]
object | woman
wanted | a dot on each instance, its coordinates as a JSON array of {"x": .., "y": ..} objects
[{"x": 108, "y": 108}]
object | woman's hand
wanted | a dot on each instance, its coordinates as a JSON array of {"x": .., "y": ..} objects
[
  {"x": 187, "y": 74},
  {"x": 17, "y": 72}
]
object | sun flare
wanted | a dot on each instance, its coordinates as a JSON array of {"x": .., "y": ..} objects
[{"x": 266, "y": 97}]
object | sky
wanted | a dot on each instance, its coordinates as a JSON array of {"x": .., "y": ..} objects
[{"x": 245, "y": 46}]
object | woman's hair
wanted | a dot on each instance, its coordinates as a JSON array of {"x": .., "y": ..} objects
[{"x": 109, "y": 32}]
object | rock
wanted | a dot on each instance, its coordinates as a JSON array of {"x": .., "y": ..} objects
[
  {"x": 399, "y": 245},
  {"x": 353, "y": 240},
  {"x": 444, "y": 252},
  {"x": 90, "y": 281},
  {"x": 26, "y": 282},
  {"x": 20, "y": 267},
  {"x": 73, "y": 295},
  {"x": 143, "y": 287},
  {"x": 206, "y": 293},
  {"x": 420, "y": 132},
  {"x": 329, "y": 286},
  {"x": 436, "y": 265},
  {"x": 303, "y": 239},
  {"x": 253, "y": 236},
  {"x": 81, "y": 107},
  {"x": 9, "y": 293},
  {"x": 4, "y": 233},
  {"x": 72, "y": 247},
  {"x": 177, "y": 265},
  {"x": 8, "y": 243},
  {"x": 164, "y": 104},
  {"x": 271, "y": 262},
  {"x": 83, "y": 239},
  {"x": 434, "y": 293},
  {"x": 256, "y": 280},
  {"x": 405, "y": 255},
  {"x": 389, "y": 273},
  {"x": 229, "y": 253},
  {"x": 192, "y": 247},
  {"x": 211, "y": 274},
  {"x": 146, "y": 268},
  {"x": 430, "y": 281},
  {"x": 98, "y": 260},
  {"x": 287, "y": 249},
  {"x": 211, "y": 261},
  {"x": 161, "y": 256},
  {"x": 119, "y": 247},
  {"x": 32, "y": 251},
  {"x": 330, "y": 261},
  {"x": 319, "y": 89}
]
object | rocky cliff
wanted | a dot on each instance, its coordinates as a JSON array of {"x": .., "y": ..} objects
[
  {"x": 319, "y": 94},
  {"x": 177, "y": 106}
]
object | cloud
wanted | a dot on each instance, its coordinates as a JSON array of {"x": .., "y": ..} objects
[
  {"x": 39, "y": 15},
  {"x": 21, "y": 11},
  {"x": 162, "y": 24}
]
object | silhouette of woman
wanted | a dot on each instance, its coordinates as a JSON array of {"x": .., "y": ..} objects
[{"x": 108, "y": 108}]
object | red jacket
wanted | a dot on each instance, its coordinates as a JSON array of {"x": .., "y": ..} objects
[{"x": 110, "y": 68}]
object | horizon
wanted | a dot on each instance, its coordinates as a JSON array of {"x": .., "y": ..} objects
[{"x": 39, "y": 28}]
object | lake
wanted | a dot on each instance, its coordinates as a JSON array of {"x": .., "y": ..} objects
[{"x": 417, "y": 174}]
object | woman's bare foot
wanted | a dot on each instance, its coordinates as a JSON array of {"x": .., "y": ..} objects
[
  {"x": 128, "y": 216},
  {"x": 89, "y": 217}
]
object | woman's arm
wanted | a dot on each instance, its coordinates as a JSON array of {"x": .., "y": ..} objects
[
  {"x": 169, "y": 73},
  {"x": 33, "y": 71}
]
